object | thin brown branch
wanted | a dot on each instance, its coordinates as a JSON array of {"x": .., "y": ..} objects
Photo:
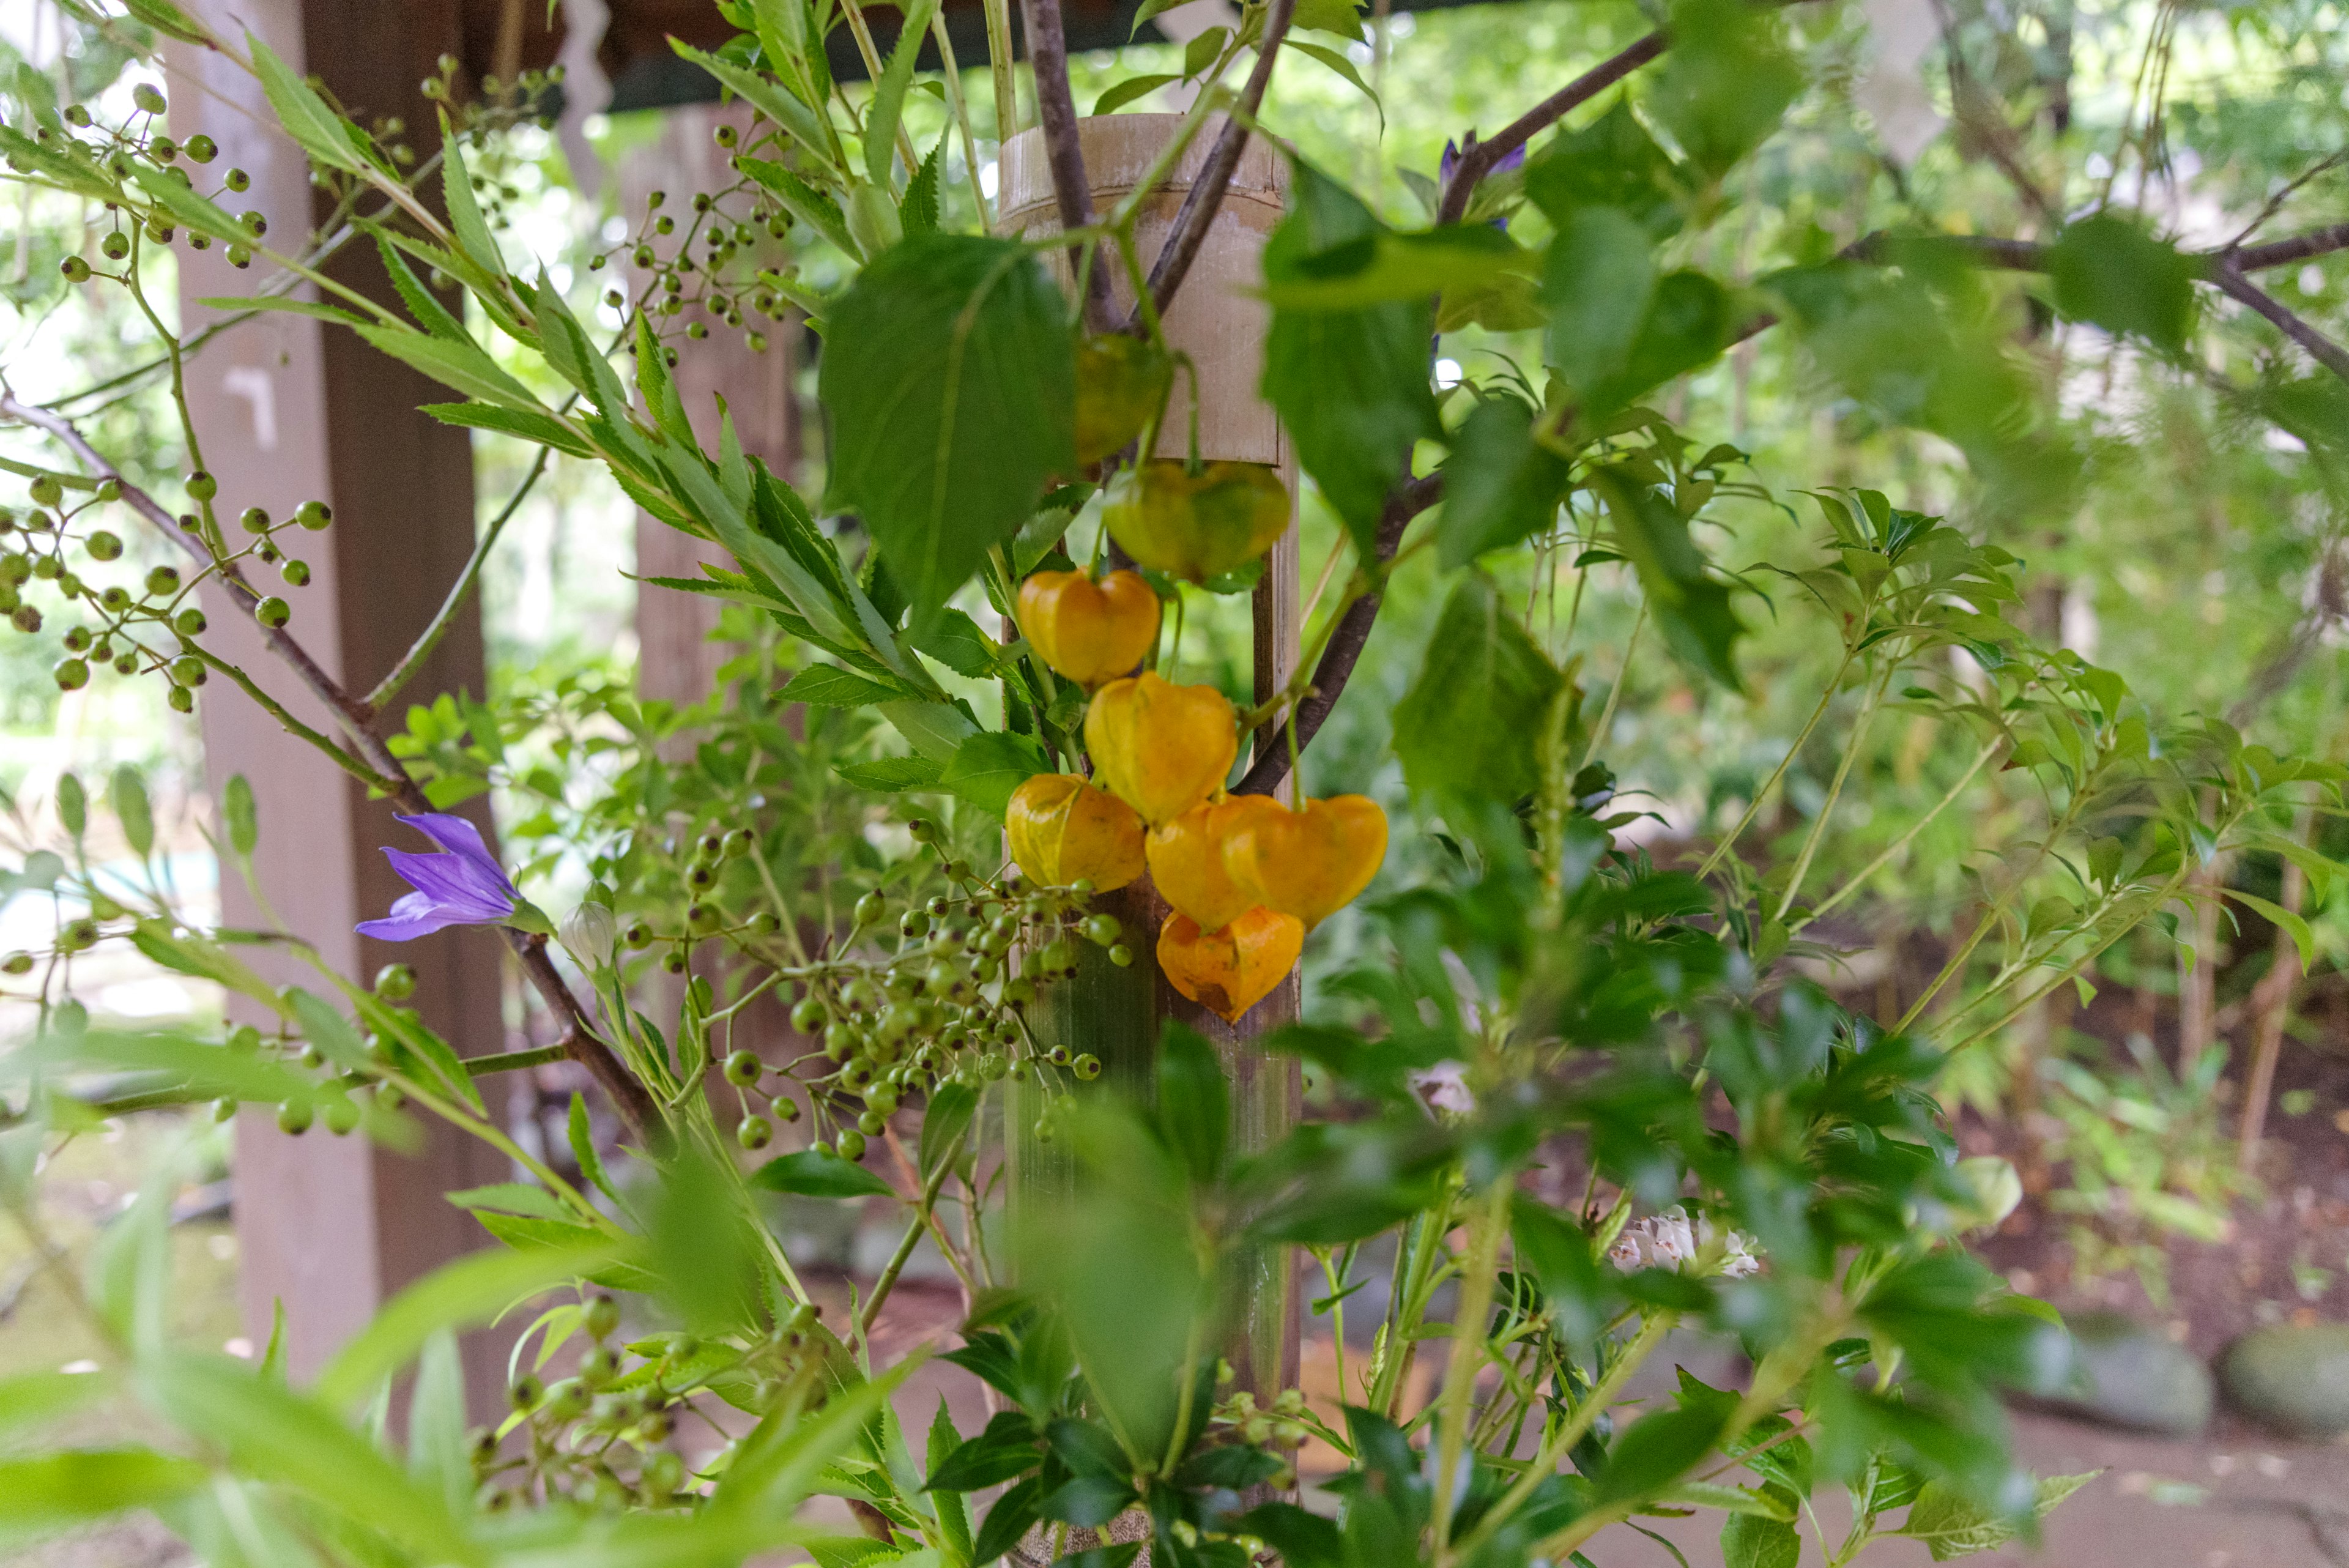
[
  {"x": 1347, "y": 640},
  {"x": 1480, "y": 158},
  {"x": 1056, "y": 113},
  {"x": 2271, "y": 1003},
  {"x": 1205, "y": 198},
  {"x": 2230, "y": 280},
  {"x": 2300, "y": 247},
  {"x": 580, "y": 1042}
]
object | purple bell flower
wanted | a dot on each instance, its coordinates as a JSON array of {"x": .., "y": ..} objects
[
  {"x": 1449, "y": 165},
  {"x": 464, "y": 886}
]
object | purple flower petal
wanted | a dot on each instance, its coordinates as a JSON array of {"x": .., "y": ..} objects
[
  {"x": 413, "y": 914},
  {"x": 462, "y": 886}
]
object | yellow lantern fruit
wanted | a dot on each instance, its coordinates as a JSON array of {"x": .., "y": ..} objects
[
  {"x": 1089, "y": 631},
  {"x": 1122, "y": 381},
  {"x": 1230, "y": 971},
  {"x": 1308, "y": 863},
  {"x": 1187, "y": 859},
  {"x": 1164, "y": 748},
  {"x": 1064, "y": 830},
  {"x": 1197, "y": 525}
]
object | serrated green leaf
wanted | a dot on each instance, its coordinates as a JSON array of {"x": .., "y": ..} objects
[
  {"x": 989, "y": 766},
  {"x": 322, "y": 132}
]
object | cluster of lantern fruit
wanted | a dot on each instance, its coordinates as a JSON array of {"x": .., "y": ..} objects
[{"x": 1246, "y": 875}]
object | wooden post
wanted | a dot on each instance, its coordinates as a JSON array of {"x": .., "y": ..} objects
[
  {"x": 289, "y": 410},
  {"x": 1217, "y": 319}
]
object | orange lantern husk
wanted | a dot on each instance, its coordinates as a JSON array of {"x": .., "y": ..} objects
[
  {"x": 1162, "y": 748},
  {"x": 1089, "y": 631},
  {"x": 1231, "y": 969},
  {"x": 1309, "y": 863},
  {"x": 1197, "y": 526},
  {"x": 1187, "y": 859},
  {"x": 1064, "y": 830}
]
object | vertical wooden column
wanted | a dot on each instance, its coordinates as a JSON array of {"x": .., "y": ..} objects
[
  {"x": 289, "y": 410},
  {"x": 1218, "y": 320}
]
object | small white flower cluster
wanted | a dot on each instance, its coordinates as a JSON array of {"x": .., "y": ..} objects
[{"x": 1672, "y": 1241}]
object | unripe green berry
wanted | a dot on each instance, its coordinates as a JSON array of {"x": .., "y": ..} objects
[
  {"x": 296, "y": 572},
  {"x": 148, "y": 99},
  {"x": 870, "y": 908},
  {"x": 163, "y": 581},
  {"x": 755, "y": 1133},
  {"x": 16, "y": 963},
  {"x": 126, "y": 664},
  {"x": 1102, "y": 929},
  {"x": 602, "y": 1316},
  {"x": 913, "y": 924},
  {"x": 103, "y": 546},
  {"x": 224, "y": 1109},
  {"x": 809, "y": 1014},
  {"x": 75, "y": 269},
  {"x": 744, "y": 1068},
  {"x": 395, "y": 982},
  {"x": 239, "y": 257},
  {"x": 189, "y": 670},
  {"x": 72, "y": 674},
  {"x": 201, "y": 487},
  {"x": 1087, "y": 1066},
  {"x": 237, "y": 180},
  {"x": 115, "y": 246},
  {"x": 700, "y": 918},
  {"x": 1121, "y": 955},
  {"x": 314, "y": 516},
  {"x": 294, "y": 1117},
  {"x": 200, "y": 148},
  {"x": 637, "y": 935},
  {"x": 787, "y": 1110},
  {"x": 253, "y": 520},
  {"x": 179, "y": 699},
  {"x": 851, "y": 1144},
  {"x": 342, "y": 1115},
  {"x": 190, "y": 622},
  {"x": 273, "y": 612},
  {"x": 25, "y": 618}
]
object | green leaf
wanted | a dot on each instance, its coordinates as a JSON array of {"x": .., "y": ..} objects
[
  {"x": 2108, "y": 270},
  {"x": 892, "y": 774},
  {"x": 1726, "y": 81},
  {"x": 954, "y": 639},
  {"x": 987, "y": 768},
  {"x": 43, "y": 1493},
  {"x": 946, "y": 1118},
  {"x": 1344, "y": 17},
  {"x": 1657, "y": 1450},
  {"x": 73, "y": 805},
  {"x": 544, "y": 429},
  {"x": 166, "y": 17},
  {"x": 1394, "y": 266},
  {"x": 809, "y": 205},
  {"x": 1749, "y": 1540},
  {"x": 1473, "y": 719},
  {"x": 888, "y": 101},
  {"x": 329, "y": 1030},
  {"x": 474, "y": 241},
  {"x": 781, "y": 106},
  {"x": 28, "y": 1399},
  {"x": 322, "y": 132},
  {"x": 185, "y": 205},
  {"x": 473, "y": 1290},
  {"x": 1597, "y": 282},
  {"x": 935, "y": 729},
  {"x": 830, "y": 686},
  {"x": 1132, "y": 87},
  {"x": 1358, "y": 444},
  {"x": 2277, "y": 915},
  {"x": 243, "y": 821},
  {"x": 129, "y": 798},
  {"x": 813, "y": 1174},
  {"x": 950, "y": 376},
  {"x": 1611, "y": 162},
  {"x": 1692, "y": 610},
  {"x": 1952, "y": 1525},
  {"x": 271, "y": 1434},
  {"x": 1195, "y": 1108},
  {"x": 514, "y": 1198},
  {"x": 466, "y": 365},
  {"x": 580, "y": 1133},
  {"x": 1344, "y": 68},
  {"x": 917, "y": 212},
  {"x": 1500, "y": 485}
]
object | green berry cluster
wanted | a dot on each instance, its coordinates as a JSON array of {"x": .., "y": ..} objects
[
  {"x": 919, "y": 995},
  {"x": 600, "y": 1437},
  {"x": 147, "y": 626}
]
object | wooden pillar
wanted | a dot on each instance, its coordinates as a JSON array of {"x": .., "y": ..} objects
[
  {"x": 290, "y": 410},
  {"x": 1220, "y": 322}
]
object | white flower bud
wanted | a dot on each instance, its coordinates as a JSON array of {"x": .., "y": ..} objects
[{"x": 590, "y": 933}]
